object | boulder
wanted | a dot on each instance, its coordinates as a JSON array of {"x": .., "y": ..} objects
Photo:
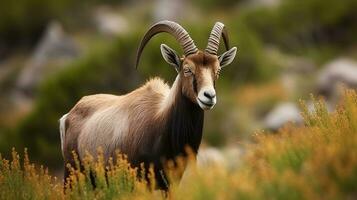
[
  {"x": 169, "y": 10},
  {"x": 210, "y": 156},
  {"x": 226, "y": 157},
  {"x": 54, "y": 50},
  {"x": 280, "y": 115},
  {"x": 109, "y": 22},
  {"x": 339, "y": 71},
  {"x": 289, "y": 112}
]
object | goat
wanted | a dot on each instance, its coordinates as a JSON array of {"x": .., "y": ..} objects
[{"x": 153, "y": 123}]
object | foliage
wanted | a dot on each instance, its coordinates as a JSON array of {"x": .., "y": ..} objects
[
  {"x": 22, "y": 22},
  {"x": 25, "y": 181},
  {"x": 253, "y": 65},
  {"x": 316, "y": 161},
  {"x": 298, "y": 25}
]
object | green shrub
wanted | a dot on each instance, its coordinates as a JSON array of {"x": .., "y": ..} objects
[
  {"x": 22, "y": 22},
  {"x": 298, "y": 25}
]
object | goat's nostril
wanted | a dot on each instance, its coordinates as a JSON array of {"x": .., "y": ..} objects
[{"x": 209, "y": 95}]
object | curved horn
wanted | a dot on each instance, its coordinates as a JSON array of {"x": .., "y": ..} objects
[
  {"x": 215, "y": 36},
  {"x": 175, "y": 30}
]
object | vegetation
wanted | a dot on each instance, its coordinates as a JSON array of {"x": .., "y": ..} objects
[
  {"x": 314, "y": 22},
  {"x": 316, "y": 161}
]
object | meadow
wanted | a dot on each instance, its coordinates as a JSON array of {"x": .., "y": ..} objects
[{"x": 315, "y": 161}]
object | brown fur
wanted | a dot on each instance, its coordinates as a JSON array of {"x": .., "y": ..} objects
[{"x": 197, "y": 63}]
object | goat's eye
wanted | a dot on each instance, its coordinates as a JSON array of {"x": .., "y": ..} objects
[{"x": 187, "y": 71}]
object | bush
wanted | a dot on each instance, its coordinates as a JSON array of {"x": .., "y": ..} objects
[
  {"x": 22, "y": 22},
  {"x": 252, "y": 64},
  {"x": 298, "y": 25}
]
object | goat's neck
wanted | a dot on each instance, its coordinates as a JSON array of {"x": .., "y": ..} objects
[{"x": 184, "y": 122}]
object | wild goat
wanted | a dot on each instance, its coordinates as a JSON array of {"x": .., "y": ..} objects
[{"x": 153, "y": 123}]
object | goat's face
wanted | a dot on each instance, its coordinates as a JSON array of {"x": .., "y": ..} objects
[
  {"x": 199, "y": 73},
  {"x": 198, "y": 69}
]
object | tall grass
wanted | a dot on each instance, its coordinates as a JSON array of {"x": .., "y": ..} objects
[{"x": 315, "y": 161}]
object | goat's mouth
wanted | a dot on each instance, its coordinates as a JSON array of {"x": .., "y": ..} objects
[{"x": 205, "y": 105}]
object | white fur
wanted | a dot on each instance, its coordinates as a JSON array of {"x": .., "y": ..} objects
[
  {"x": 207, "y": 86},
  {"x": 169, "y": 96},
  {"x": 105, "y": 129},
  {"x": 62, "y": 128}
]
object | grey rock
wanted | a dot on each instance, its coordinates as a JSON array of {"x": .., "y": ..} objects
[
  {"x": 109, "y": 22},
  {"x": 228, "y": 157},
  {"x": 282, "y": 114},
  {"x": 54, "y": 50},
  {"x": 210, "y": 157},
  {"x": 263, "y": 3},
  {"x": 289, "y": 112},
  {"x": 341, "y": 71},
  {"x": 169, "y": 9}
]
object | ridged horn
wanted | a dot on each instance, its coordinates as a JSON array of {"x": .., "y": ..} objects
[
  {"x": 218, "y": 30},
  {"x": 172, "y": 28}
]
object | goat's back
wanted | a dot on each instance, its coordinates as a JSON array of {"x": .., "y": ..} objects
[{"x": 111, "y": 122}]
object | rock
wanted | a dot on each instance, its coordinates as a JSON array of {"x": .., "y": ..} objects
[
  {"x": 282, "y": 114},
  {"x": 109, "y": 22},
  {"x": 263, "y": 3},
  {"x": 210, "y": 156},
  {"x": 169, "y": 9},
  {"x": 296, "y": 71},
  {"x": 54, "y": 50},
  {"x": 339, "y": 71},
  {"x": 227, "y": 157},
  {"x": 289, "y": 112},
  {"x": 233, "y": 155}
]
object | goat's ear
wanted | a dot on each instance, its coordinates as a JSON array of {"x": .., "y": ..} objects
[
  {"x": 170, "y": 56},
  {"x": 227, "y": 57}
]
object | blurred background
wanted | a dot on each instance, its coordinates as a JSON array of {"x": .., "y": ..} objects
[{"x": 53, "y": 52}]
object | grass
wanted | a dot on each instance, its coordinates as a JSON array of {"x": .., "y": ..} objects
[{"x": 315, "y": 161}]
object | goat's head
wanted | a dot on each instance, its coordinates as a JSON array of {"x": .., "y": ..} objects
[{"x": 199, "y": 69}]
